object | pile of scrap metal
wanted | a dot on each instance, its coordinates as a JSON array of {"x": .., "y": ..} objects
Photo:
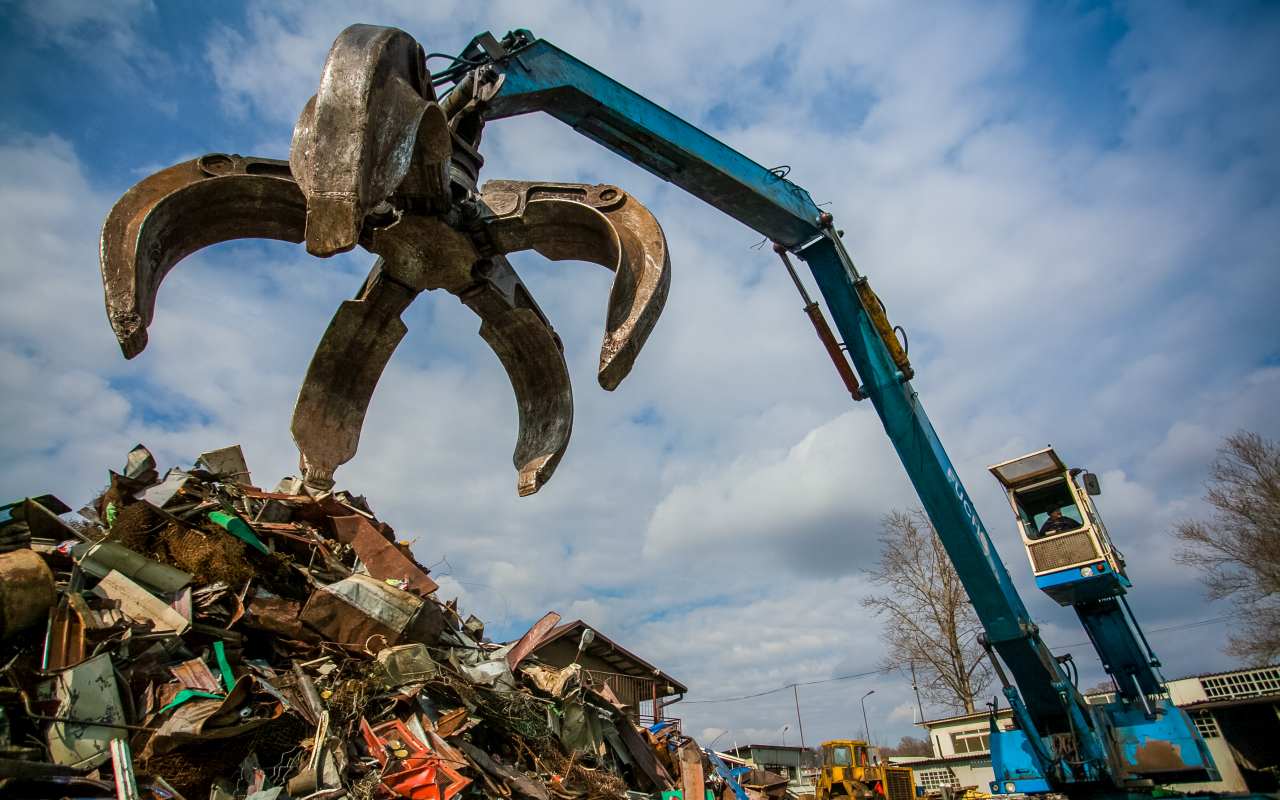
[{"x": 191, "y": 635}]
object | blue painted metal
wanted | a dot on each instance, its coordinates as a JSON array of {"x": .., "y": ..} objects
[
  {"x": 542, "y": 77},
  {"x": 1069, "y": 586},
  {"x": 1008, "y": 625},
  {"x": 1045, "y": 703},
  {"x": 730, "y": 776},
  {"x": 1015, "y": 757},
  {"x": 1134, "y": 669},
  {"x": 1145, "y": 742}
]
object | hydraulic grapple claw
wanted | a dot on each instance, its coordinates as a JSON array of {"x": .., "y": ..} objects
[
  {"x": 347, "y": 364},
  {"x": 533, "y": 356},
  {"x": 179, "y": 210},
  {"x": 377, "y": 161},
  {"x": 356, "y": 139},
  {"x": 597, "y": 223},
  {"x": 419, "y": 254}
]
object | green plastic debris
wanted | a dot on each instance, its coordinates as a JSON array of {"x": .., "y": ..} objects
[
  {"x": 190, "y": 694},
  {"x": 111, "y": 514},
  {"x": 220, "y": 653},
  {"x": 238, "y": 528}
]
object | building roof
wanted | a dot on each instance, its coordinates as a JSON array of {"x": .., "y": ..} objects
[
  {"x": 619, "y": 658},
  {"x": 795, "y": 747},
  {"x": 1225, "y": 672},
  {"x": 930, "y": 761},
  {"x": 1261, "y": 696},
  {"x": 1000, "y": 712},
  {"x": 1259, "y": 699}
]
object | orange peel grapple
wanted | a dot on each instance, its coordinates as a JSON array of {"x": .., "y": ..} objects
[{"x": 378, "y": 161}]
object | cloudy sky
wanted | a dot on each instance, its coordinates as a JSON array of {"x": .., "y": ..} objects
[{"x": 1072, "y": 208}]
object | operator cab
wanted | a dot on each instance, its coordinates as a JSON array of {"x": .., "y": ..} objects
[
  {"x": 1070, "y": 552},
  {"x": 845, "y": 753}
]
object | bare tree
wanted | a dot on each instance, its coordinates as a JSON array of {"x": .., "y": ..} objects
[
  {"x": 1237, "y": 553},
  {"x": 931, "y": 625}
]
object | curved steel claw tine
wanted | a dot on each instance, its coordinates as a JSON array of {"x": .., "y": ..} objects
[
  {"x": 359, "y": 342},
  {"x": 601, "y": 224},
  {"x": 179, "y": 210},
  {"x": 347, "y": 364},
  {"x": 529, "y": 349},
  {"x": 373, "y": 118}
]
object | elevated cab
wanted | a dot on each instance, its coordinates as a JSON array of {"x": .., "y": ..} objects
[{"x": 1070, "y": 552}]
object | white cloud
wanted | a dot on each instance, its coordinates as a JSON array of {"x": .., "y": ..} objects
[
  {"x": 714, "y": 514},
  {"x": 786, "y": 505},
  {"x": 904, "y": 712}
]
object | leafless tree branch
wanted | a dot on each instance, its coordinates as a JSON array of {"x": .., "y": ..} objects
[
  {"x": 1237, "y": 553},
  {"x": 930, "y": 623}
]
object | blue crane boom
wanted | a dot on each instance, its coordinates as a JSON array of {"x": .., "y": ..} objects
[{"x": 1061, "y": 743}]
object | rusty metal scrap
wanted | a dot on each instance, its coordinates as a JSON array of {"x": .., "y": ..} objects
[
  {"x": 383, "y": 559},
  {"x": 325, "y": 666},
  {"x": 26, "y": 591},
  {"x": 378, "y": 161}
]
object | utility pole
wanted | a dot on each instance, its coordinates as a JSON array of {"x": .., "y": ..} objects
[
  {"x": 865, "y": 726},
  {"x": 916, "y": 689},
  {"x": 796, "y": 692}
]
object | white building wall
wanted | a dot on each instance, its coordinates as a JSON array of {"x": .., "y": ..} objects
[
  {"x": 1232, "y": 779},
  {"x": 978, "y": 771},
  {"x": 1186, "y": 691}
]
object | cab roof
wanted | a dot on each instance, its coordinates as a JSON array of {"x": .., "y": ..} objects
[{"x": 1032, "y": 467}]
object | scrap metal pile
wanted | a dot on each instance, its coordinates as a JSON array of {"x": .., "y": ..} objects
[{"x": 191, "y": 635}]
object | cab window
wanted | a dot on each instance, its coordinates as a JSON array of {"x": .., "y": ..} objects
[
  {"x": 1037, "y": 502},
  {"x": 840, "y": 757}
]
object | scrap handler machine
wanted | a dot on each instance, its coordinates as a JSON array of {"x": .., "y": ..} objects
[{"x": 382, "y": 161}]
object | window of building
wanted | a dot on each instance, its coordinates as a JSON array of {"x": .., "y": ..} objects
[
  {"x": 931, "y": 780},
  {"x": 1249, "y": 683},
  {"x": 1206, "y": 724},
  {"x": 973, "y": 741}
]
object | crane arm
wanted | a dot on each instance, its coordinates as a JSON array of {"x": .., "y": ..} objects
[{"x": 537, "y": 76}]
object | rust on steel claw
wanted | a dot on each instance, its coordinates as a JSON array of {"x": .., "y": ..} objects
[
  {"x": 377, "y": 161},
  {"x": 601, "y": 224},
  {"x": 179, "y": 210},
  {"x": 373, "y": 116}
]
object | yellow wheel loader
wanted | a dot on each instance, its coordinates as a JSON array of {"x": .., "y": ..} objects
[{"x": 848, "y": 770}]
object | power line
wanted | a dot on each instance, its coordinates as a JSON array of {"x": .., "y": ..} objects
[
  {"x": 884, "y": 670},
  {"x": 1165, "y": 629},
  {"x": 788, "y": 686}
]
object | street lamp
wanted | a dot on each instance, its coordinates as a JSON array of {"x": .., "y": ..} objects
[
  {"x": 588, "y": 636},
  {"x": 785, "y": 728},
  {"x": 865, "y": 726},
  {"x": 718, "y": 736}
]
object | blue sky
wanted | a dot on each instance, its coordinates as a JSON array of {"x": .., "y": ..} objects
[{"x": 1071, "y": 207}]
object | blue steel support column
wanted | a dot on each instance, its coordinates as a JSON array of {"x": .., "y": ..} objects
[
  {"x": 1005, "y": 618},
  {"x": 1121, "y": 652}
]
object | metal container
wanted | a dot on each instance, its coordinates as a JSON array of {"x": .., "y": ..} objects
[{"x": 26, "y": 591}]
